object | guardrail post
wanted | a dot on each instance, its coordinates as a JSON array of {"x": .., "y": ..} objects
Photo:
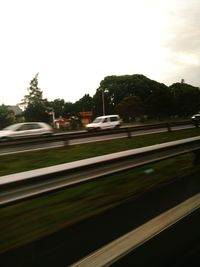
[
  {"x": 129, "y": 132},
  {"x": 196, "y": 157},
  {"x": 169, "y": 129},
  {"x": 196, "y": 124},
  {"x": 66, "y": 141}
]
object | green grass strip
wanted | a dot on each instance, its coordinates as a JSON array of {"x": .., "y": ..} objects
[
  {"x": 33, "y": 219},
  {"x": 37, "y": 159}
]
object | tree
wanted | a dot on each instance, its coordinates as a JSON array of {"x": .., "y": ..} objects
[
  {"x": 36, "y": 108},
  {"x": 97, "y": 103},
  {"x": 102, "y": 102},
  {"x": 186, "y": 99},
  {"x": 7, "y": 116},
  {"x": 130, "y": 108},
  {"x": 69, "y": 110},
  {"x": 84, "y": 104},
  {"x": 57, "y": 106},
  {"x": 159, "y": 103},
  {"x": 119, "y": 87}
]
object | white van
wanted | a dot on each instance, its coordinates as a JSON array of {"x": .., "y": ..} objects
[{"x": 104, "y": 122}]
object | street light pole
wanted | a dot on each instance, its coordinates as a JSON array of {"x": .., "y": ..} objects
[{"x": 53, "y": 117}]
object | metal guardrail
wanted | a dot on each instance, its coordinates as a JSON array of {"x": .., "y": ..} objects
[
  {"x": 71, "y": 136},
  {"x": 25, "y": 185},
  {"x": 122, "y": 246}
]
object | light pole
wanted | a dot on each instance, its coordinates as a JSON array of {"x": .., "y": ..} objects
[{"x": 53, "y": 117}]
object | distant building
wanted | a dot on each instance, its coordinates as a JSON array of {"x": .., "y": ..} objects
[
  {"x": 18, "y": 113},
  {"x": 16, "y": 110},
  {"x": 62, "y": 122}
]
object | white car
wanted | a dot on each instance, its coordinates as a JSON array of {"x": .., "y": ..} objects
[
  {"x": 104, "y": 122},
  {"x": 196, "y": 119},
  {"x": 25, "y": 129}
]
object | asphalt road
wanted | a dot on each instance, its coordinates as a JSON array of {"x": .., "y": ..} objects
[
  {"x": 71, "y": 244},
  {"x": 39, "y": 146}
]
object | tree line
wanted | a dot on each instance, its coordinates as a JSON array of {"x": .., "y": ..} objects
[{"x": 130, "y": 96}]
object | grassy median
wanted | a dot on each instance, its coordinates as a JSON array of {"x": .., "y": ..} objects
[
  {"x": 33, "y": 219},
  {"x": 31, "y": 160}
]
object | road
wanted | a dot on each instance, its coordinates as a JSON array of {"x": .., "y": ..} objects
[
  {"x": 71, "y": 244},
  {"x": 42, "y": 146}
]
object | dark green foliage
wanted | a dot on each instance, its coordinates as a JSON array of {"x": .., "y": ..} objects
[
  {"x": 128, "y": 85},
  {"x": 120, "y": 87},
  {"x": 130, "y": 108},
  {"x": 36, "y": 112},
  {"x": 159, "y": 103},
  {"x": 116, "y": 94},
  {"x": 36, "y": 108},
  {"x": 186, "y": 99},
  {"x": 84, "y": 104},
  {"x": 6, "y": 116},
  {"x": 100, "y": 96},
  {"x": 155, "y": 97},
  {"x": 98, "y": 103},
  {"x": 58, "y": 106},
  {"x": 69, "y": 110}
]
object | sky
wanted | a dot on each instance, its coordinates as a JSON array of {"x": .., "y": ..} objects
[{"x": 75, "y": 44}]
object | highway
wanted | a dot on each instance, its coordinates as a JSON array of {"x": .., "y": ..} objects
[
  {"x": 70, "y": 245},
  {"x": 6, "y": 150},
  {"x": 174, "y": 247}
]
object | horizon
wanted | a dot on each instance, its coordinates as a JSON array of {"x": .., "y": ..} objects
[{"x": 18, "y": 104}]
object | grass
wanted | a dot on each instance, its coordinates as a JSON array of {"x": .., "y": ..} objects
[
  {"x": 33, "y": 219},
  {"x": 31, "y": 160}
]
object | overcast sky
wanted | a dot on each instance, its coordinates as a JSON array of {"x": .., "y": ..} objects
[{"x": 74, "y": 44}]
